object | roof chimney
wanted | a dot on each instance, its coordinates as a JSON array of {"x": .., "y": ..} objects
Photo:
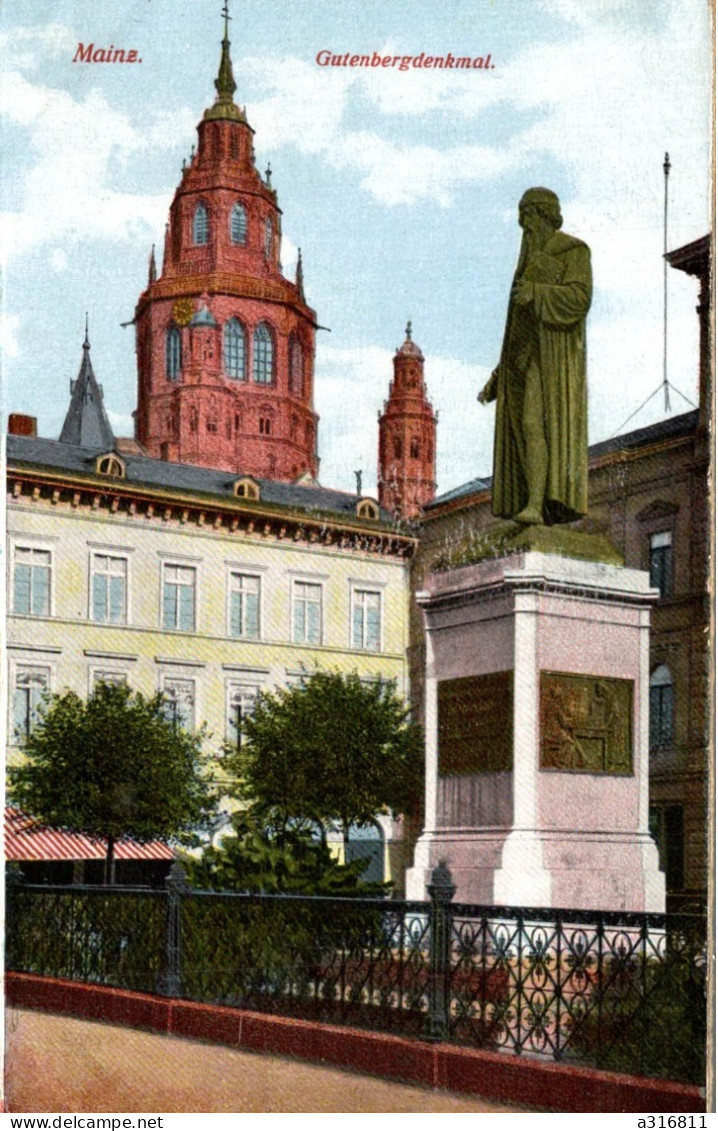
[{"x": 21, "y": 425}]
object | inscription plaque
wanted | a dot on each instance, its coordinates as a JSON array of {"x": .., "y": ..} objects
[
  {"x": 475, "y": 724},
  {"x": 586, "y": 724}
]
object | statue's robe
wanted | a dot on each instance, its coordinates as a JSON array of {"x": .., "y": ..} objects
[{"x": 546, "y": 336}]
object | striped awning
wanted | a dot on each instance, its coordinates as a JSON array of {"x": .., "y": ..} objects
[{"x": 26, "y": 839}]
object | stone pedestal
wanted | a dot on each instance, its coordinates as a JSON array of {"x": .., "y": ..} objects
[{"x": 537, "y": 688}]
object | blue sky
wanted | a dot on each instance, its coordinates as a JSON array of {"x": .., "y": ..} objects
[{"x": 400, "y": 187}]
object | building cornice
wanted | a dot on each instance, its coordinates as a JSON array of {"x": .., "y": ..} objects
[
  {"x": 167, "y": 506},
  {"x": 224, "y": 283}
]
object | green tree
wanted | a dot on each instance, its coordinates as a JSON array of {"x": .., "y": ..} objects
[
  {"x": 255, "y": 857},
  {"x": 332, "y": 749},
  {"x": 113, "y": 766}
]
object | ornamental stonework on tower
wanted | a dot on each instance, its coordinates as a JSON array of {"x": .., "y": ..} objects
[
  {"x": 407, "y": 437},
  {"x": 225, "y": 344}
]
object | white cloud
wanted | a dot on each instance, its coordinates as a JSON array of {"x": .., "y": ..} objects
[
  {"x": 122, "y": 424},
  {"x": 348, "y": 428},
  {"x": 304, "y": 106},
  {"x": 73, "y": 191},
  {"x": 9, "y": 326},
  {"x": 58, "y": 260},
  {"x": 26, "y": 47}
]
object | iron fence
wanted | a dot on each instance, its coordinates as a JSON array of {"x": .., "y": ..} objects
[{"x": 615, "y": 990}]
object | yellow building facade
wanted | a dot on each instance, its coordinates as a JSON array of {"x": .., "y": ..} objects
[{"x": 186, "y": 581}]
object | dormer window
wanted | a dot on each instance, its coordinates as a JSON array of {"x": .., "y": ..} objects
[
  {"x": 200, "y": 225},
  {"x": 246, "y": 488},
  {"x": 368, "y": 508},
  {"x": 110, "y": 465},
  {"x": 238, "y": 224},
  {"x": 173, "y": 353}
]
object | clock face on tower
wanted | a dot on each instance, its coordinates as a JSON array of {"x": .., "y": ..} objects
[{"x": 182, "y": 311}]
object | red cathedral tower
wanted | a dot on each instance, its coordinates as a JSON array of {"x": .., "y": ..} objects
[
  {"x": 225, "y": 344},
  {"x": 407, "y": 437}
]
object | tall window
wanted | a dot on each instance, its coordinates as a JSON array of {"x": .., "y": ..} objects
[
  {"x": 241, "y": 698},
  {"x": 200, "y": 225},
  {"x": 263, "y": 354},
  {"x": 244, "y": 606},
  {"x": 31, "y": 585},
  {"x": 307, "y": 613},
  {"x": 178, "y": 597},
  {"x": 661, "y": 708},
  {"x": 178, "y": 696},
  {"x": 296, "y": 366},
  {"x": 30, "y": 685},
  {"x": 268, "y": 237},
  {"x": 109, "y": 589},
  {"x": 173, "y": 353},
  {"x": 366, "y": 620},
  {"x": 661, "y": 564},
  {"x": 235, "y": 350},
  {"x": 238, "y": 224}
]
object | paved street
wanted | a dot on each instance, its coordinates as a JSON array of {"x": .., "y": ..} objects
[{"x": 62, "y": 1064}]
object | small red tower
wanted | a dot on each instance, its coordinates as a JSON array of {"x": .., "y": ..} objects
[
  {"x": 407, "y": 437},
  {"x": 225, "y": 344}
]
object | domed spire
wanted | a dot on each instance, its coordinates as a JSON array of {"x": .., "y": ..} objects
[
  {"x": 225, "y": 85},
  {"x": 409, "y": 347}
]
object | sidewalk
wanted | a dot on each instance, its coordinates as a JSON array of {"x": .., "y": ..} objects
[{"x": 62, "y": 1064}]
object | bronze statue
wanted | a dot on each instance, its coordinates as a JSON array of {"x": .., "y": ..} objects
[{"x": 541, "y": 436}]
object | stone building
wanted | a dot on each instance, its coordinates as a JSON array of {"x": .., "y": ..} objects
[
  {"x": 407, "y": 437},
  {"x": 200, "y": 584},
  {"x": 225, "y": 344}
]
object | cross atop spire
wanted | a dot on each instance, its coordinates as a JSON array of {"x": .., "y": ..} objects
[
  {"x": 408, "y": 331},
  {"x": 225, "y": 85},
  {"x": 86, "y": 343}
]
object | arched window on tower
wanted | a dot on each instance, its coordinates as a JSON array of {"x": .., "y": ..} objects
[
  {"x": 397, "y": 448},
  {"x": 200, "y": 225},
  {"x": 173, "y": 353},
  {"x": 414, "y": 449},
  {"x": 238, "y": 224},
  {"x": 296, "y": 366},
  {"x": 263, "y": 355},
  {"x": 268, "y": 237},
  {"x": 235, "y": 350},
  {"x": 661, "y": 708}
]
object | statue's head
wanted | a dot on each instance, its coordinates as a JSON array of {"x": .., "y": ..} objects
[{"x": 545, "y": 202}]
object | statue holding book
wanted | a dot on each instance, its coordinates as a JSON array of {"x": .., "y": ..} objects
[{"x": 539, "y": 385}]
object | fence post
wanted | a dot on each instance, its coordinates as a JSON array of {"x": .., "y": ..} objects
[
  {"x": 441, "y": 892},
  {"x": 13, "y": 882},
  {"x": 170, "y": 984}
]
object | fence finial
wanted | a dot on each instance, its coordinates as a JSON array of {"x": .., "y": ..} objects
[{"x": 442, "y": 887}]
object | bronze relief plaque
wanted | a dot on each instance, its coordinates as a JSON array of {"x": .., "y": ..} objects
[
  {"x": 586, "y": 724},
  {"x": 475, "y": 724}
]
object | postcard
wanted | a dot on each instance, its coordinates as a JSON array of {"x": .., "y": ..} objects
[{"x": 358, "y": 399}]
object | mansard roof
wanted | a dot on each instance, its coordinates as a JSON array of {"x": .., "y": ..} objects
[
  {"x": 141, "y": 472},
  {"x": 86, "y": 423}
]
